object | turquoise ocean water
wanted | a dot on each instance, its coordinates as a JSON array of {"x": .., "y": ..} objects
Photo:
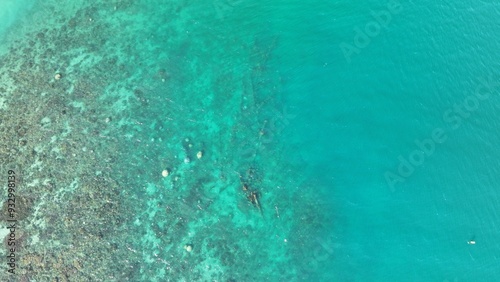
[
  {"x": 12, "y": 11},
  {"x": 368, "y": 131}
]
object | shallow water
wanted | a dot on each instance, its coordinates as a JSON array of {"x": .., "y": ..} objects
[
  {"x": 11, "y": 11},
  {"x": 290, "y": 135}
]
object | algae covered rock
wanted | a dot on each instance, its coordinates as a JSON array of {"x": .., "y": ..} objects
[{"x": 17, "y": 208}]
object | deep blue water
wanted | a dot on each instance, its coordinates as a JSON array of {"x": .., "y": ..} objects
[{"x": 357, "y": 114}]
